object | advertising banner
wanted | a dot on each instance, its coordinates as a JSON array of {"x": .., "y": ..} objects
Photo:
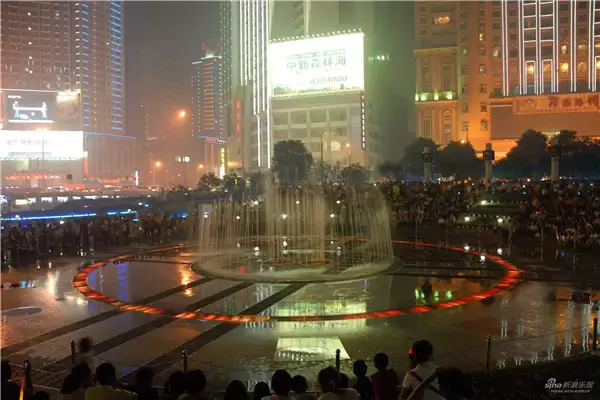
[
  {"x": 28, "y": 107},
  {"x": 317, "y": 65},
  {"x": 48, "y": 145}
]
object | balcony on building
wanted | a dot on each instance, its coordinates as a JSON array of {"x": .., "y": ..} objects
[{"x": 441, "y": 96}]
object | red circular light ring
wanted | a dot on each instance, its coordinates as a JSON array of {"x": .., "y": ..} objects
[{"x": 511, "y": 278}]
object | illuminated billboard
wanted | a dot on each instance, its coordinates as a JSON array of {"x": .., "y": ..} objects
[
  {"x": 317, "y": 65},
  {"x": 29, "y": 107},
  {"x": 37, "y": 145}
]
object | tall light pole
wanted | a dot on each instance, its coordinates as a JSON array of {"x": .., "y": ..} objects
[
  {"x": 321, "y": 166},
  {"x": 157, "y": 165},
  {"x": 349, "y": 147},
  {"x": 198, "y": 169}
]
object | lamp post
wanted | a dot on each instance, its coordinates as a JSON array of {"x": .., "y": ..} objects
[
  {"x": 198, "y": 169},
  {"x": 155, "y": 165},
  {"x": 322, "y": 169},
  {"x": 349, "y": 147}
]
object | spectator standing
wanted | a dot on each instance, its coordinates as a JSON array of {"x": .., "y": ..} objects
[
  {"x": 281, "y": 382},
  {"x": 85, "y": 353},
  {"x": 108, "y": 387},
  {"x": 331, "y": 386},
  {"x": 10, "y": 390},
  {"x": 236, "y": 391},
  {"x": 75, "y": 384},
  {"x": 143, "y": 385},
  {"x": 362, "y": 384},
  {"x": 174, "y": 386},
  {"x": 422, "y": 353},
  {"x": 385, "y": 381},
  {"x": 261, "y": 390},
  {"x": 299, "y": 387},
  {"x": 195, "y": 382}
]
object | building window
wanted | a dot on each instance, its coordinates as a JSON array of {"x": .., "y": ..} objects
[
  {"x": 482, "y": 88},
  {"x": 465, "y": 51},
  {"x": 564, "y": 7},
  {"x": 483, "y": 107},
  {"x": 426, "y": 127},
  {"x": 442, "y": 20},
  {"x": 425, "y": 78},
  {"x": 483, "y": 125},
  {"x": 482, "y": 69},
  {"x": 464, "y": 89},
  {"x": 464, "y": 70},
  {"x": 423, "y": 32},
  {"x": 280, "y": 118},
  {"x": 465, "y": 126},
  {"x": 299, "y": 117},
  {"x": 318, "y": 115},
  {"x": 447, "y": 129},
  {"x": 482, "y": 12},
  {"x": 298, "y": 133},
  {"x": 465, "y": 108},
  {"x": 496, "y": 25},
  {"x": 496, "y": 51},
  {"x": 446, "y": 77},
  {"x": 482, "y": 51},
  {"x": 337, "y": 114},
  {"x": 481, "y": 36}
]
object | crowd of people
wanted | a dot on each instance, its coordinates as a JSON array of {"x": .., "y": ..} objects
[
  {"x": 425, "y": 381},
  {"x": 568, "y": 212},
  {"x": 23, "y": 242}
]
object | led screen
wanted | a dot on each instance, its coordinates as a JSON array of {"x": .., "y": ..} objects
[
  {"x": 48, "y": 145},
  {"x": 317, "y": 65},
  {"x": 29, "y": 107}
]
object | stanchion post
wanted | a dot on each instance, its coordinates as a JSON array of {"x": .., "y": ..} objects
[
  {"x": 184, "y": 356},
  {"x": 488, "y": 351},
  {"x": 73, "y": 352},
  {"x": 595, "y": 334},
  {"x": 337, "y": 360}
]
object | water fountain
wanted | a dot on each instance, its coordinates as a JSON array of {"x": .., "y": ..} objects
[{"x": 296, "y": 235}]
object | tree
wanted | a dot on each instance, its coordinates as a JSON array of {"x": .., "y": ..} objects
[
  {"x": 325, "y": 172},
  {"x": 390, "y": 170},
  {"x": 412, "y": 162},
  {"x": 256, "y": 183},
  {"x": 291, "y": 162},
  {"x": 529, "y": 158},
  {"x": 234, "y": 185},
  {"x": 354, "y": 174},
  {"x": 208, "y": 182},
  {"x": 459, "y": 160},
  {"x": 580, "y": 156}
]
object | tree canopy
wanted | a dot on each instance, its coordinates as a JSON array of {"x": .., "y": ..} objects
[
  {"x": 412, "y": 162},
  {"x": 459, "y": 160},
  {"x": 291, "y": 162},
  {"x": 354, "y": 174}
]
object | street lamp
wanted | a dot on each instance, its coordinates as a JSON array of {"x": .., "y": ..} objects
[
  {"x": 322, "y": 169},
  {"x": 182, "y": 114},
  {"x": 155, "y": 165},
  {"x": 349, "y": 147},
  {"x": 200, "y": 168}
]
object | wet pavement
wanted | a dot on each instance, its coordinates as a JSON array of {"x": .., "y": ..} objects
[{"x": 533, "y": 322}]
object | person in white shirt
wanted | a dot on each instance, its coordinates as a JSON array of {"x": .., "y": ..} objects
[
  {"x": 330, "y": 382},
  {"x": 421, "y": 355}
]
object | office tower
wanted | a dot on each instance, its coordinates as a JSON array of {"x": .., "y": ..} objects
[
  {"x": 208, "y": 107},
  {"x": 488, "y": 71},
  {"x": 250, "y": 26},
  {"x": 74, "y": 50}
]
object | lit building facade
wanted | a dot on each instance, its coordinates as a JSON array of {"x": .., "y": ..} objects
[
  {"x": 70, "y": 57},
  {"x": 208, "y": 109},
  {"x": 488, "y": 71}
]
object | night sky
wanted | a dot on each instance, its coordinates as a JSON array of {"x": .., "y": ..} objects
[{"x": 177, "y": 30}]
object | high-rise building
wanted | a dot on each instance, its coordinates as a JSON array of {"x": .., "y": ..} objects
[
  {"x": 208, "y": 107},
  {"x": 250, "y": 27},
  {"x": 67, "y": 58},
  {"x": 488, "y": 71}
]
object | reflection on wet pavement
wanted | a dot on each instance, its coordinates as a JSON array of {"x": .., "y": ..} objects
[{"x": 536, "y": 321}]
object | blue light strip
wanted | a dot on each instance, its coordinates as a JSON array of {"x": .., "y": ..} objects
[
  {"x": 63, "y": 216},
  {"x": 109, "y": 134}
]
